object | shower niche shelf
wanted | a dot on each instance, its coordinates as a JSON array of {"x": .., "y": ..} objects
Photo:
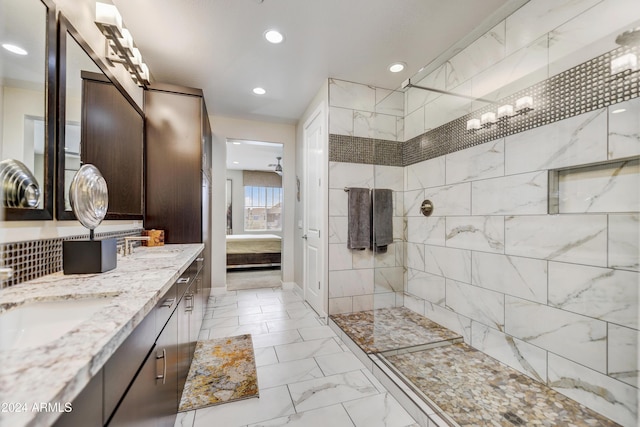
[{"x": 604, "y": 187}]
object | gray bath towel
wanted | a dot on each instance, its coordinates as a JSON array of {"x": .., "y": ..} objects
[
  {"x": 359, "y": 207},
  {"x": 382, "y": 219}
]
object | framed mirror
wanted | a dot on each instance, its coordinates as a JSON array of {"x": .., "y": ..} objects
[
  {"x": 98, "y": 124},
  {"x": 27, "y": 108}
]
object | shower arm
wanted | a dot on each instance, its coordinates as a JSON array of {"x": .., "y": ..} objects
[{"x": 408, "y": 85}]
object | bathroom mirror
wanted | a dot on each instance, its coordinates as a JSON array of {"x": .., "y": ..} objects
[
  {"x": 27, "y": 97},
  {"x": 98, "y": 125}
]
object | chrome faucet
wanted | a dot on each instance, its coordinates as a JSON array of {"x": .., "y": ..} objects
[{"x": 128, "y": 243}]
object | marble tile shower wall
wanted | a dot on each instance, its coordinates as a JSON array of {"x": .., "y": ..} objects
[
  {"x": 362, "y": 280},
  {"x": 554, "y": 296},
  {"x": 541, "y": 39}
]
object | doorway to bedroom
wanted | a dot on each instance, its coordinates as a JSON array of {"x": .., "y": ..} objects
[{"x": 254, "y": 197}]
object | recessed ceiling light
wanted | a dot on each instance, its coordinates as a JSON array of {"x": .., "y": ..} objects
[
  {"x": 274, "y": 36},
  {"x": 236, "y": 143},
  {"x": 236, "y": 163},
  {"x": 14, "y": 49},
  {"x": 259, "y": 91},
  {"x": 621, "y": 110},
  {"x": 396, "y": 67}
]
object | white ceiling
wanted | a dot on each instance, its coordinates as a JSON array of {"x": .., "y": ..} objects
[
  {"x": 253, "y": 155},
  {"x": 218, "y": 45}
]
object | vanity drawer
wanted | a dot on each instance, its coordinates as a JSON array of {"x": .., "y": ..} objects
[
  {"x": 165, "y": 307},
  {"x": 189, "y": 275}
]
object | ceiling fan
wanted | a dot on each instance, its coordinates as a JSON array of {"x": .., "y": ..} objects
[{"x": 278, "y": 167}]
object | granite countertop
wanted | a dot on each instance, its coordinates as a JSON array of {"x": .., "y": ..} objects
[{"x": 56, "y": 372}]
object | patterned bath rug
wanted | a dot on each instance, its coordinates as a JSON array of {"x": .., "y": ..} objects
[{"x": 223, "y": 370}]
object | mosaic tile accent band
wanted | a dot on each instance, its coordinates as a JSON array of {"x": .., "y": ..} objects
[
  {"x": 354, "y": 149},
  {"x": 586, "y": 87},
  {"x": 36, "y": 258}
]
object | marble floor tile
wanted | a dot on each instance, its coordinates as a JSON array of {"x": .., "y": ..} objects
[
  {"x": 287, "y": 372},
  {"x": 276, "y": 338},
  {"x": 301, "y": 313},
  {"x": 230, "y": 331},
  {"x": 329, "y": 390},
  {"x": 234, "y": 311},
  {"x": 219, "y": 322},
  {"x": 380, "y": 410},
  {"x": 339, "y": 363},
  {"x": 375, "y": 381},
  {"x": 300, "y": 357},
  {"x": 185, "y": 419},
  {"x": 334, "y": 415},
  {"x": 306, "y": 349},
  {"x": 273, "y": 403},
  {"x": 265, "y": 356},
  {"x": 271, "y": 308},
  {"x": 264, "y": 280},
  {"x": 287, "y": 324},
  {"x": 316, "y": 332},
  {"x": 261, "y": 317},
  {"x": 290, "y": 297},
  {"x": 253, "y": 302}
]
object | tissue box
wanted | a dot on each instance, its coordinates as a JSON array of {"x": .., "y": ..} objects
[
  {"x": 88, "y": 256},
  {"x": 156, "y": 237}
]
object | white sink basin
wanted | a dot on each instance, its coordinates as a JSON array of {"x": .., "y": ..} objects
[{"x": 38, "y": 323}]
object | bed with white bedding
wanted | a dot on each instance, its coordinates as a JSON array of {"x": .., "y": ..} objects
[{"x": 253, "y": 250}]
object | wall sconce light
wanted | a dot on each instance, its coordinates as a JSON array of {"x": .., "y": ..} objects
[
  {"x": 524, "y": 104},
  {"x": 505, "y": 112},
  {"x": 119, "y": 46},
  {"x": 487, "y": 119},
  {"x": 628, "y": 62},
  {"x": 473, "y": 124}
]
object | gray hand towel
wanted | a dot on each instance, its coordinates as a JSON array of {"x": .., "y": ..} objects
[
  {"x": 359, "y": 223},
  {"x": 382, "y": 219}
]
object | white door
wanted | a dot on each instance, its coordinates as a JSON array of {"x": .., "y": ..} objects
[{"x": 314, "y": 212}]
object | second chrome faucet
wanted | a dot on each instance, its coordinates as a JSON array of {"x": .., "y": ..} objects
[{"x": 128, "y": 243}]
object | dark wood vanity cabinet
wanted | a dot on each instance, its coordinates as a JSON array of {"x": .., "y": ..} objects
[
  {"x": 152, "y": 398},
  {"x": 174, "y": 162},
  {"x": 178, "y": 166},
  {"x": 142, "y": 382},
  {"x": 154, "y": 395}
]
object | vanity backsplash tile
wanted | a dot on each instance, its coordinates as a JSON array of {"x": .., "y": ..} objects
[{"x": 36, "y": 258}]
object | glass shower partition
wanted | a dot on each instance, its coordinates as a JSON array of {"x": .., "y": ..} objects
[{"x": 514, "y": 170}]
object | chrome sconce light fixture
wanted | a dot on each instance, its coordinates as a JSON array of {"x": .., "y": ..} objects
[
  {"x": 505, "y": 112},
  {"x": 119, "y": 46}
]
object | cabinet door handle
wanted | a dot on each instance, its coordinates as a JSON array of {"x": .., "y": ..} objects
[
  {"x": 163, "y": 377},
  {"x": 199, "y": 259},
  {"x": 168, "y": 302},
  {"x": 190, "y": 304},
  {"x": 183, "y": 280}
]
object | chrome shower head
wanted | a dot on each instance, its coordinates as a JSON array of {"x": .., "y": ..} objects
[{"x": 629, "y": 38}]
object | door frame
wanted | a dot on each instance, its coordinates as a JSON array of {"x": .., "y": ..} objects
[{"x": 320, "y": 110}]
